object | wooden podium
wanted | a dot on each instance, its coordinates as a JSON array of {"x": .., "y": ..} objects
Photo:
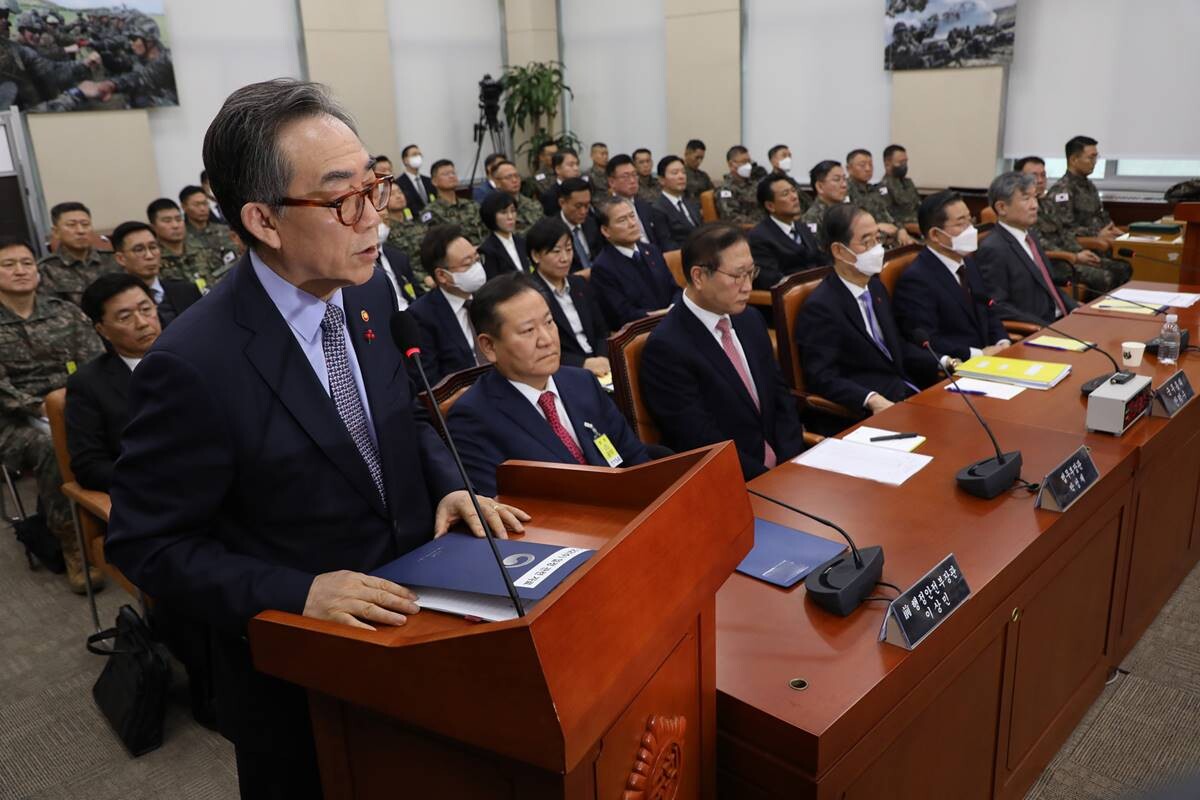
[
  {"x": 605, "y": 689},
  {"x": 1189, "y": 271}
]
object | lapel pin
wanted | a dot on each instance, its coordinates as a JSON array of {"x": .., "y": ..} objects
[
  {"x": 365, "y": 316},
  {"x": 370, "y": 334}
]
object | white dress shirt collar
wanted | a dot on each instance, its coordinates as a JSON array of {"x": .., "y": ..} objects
[
  {"x": 786, "y": 227},
  {"x": 625, "y": 251},
  {"x": 130, "y": 362},
  {"x": 950, "y": 263},
  {"x": 302, "y": 311},
  {"x": 531, "y": 394},
  {"x": 856, "y": 291},
  {"x": 707, "y": 318}
]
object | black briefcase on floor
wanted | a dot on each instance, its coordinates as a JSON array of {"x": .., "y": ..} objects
[{"x": 131, "y": 692}]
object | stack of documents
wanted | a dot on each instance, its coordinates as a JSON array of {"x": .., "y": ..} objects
[
  {"x": 863, "y": 461},
  {"x": 1125, "y": 307},
  {"x": 1017, "y": 371},
  {"x": 1153, "y": 298},
  {"x": 1058, "y": 343}
]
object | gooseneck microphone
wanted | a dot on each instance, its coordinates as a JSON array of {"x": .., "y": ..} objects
[
  {"x": 1125, "y": 252},
  {"x": 988, "y": 477},
  {"x": 1092, "y": 384},
  {"x": 841, "y": 584},
  {"x": 406, "y": 335}
]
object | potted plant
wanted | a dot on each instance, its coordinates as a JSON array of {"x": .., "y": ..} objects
[{"x": 532, "y": 94}]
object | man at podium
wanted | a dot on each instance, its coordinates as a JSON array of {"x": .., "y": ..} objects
[{"x": 274, "y": 454}]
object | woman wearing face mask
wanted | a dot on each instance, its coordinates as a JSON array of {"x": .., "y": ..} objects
[
  {"x": 850, "y": 348},
  {"x": 503, "y": 250},
  {"x": 942, "y": 295},
  {"x": 449, "y": 340}
]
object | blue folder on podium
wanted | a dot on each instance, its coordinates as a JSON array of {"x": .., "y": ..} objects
[
  {"x": 457, "y": 574},
  {"x": 783, "y": 556}
]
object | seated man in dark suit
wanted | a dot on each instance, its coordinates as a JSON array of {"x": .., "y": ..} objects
[
  {"x": 1015, "y": 268},
  {"x": 504, "y": 249},
  {"x": 849, "y": 345},
  {"x": 449, "y": 339},
  {"x": 530, "y": 407},
  {"x": 708, "y": 372},
  {"x": 396, "y": 265},
  {"x": 488, "y": 185},
  {"x": 672, "y": 216},
  {"x": 120, "y": 307},
  {"x": 582, "y": 334},
  {"x": 566, "y": 166},
  {"x": 623, "y": 182},
  {"x": 942, "y": 292},
  {"x": 630, "y": 276},
  {"x": 137, "y": 251},
  {"x": 417, "y": 188},
  {"x": 575, "y": 210},
  {"x": 781, "y": 244}
]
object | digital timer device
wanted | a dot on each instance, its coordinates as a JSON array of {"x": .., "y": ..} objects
[{"x": 1114, "y": 406}]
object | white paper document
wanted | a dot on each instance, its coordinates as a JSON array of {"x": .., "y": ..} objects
[
  {"x": 468, "y": 604},
  {"x": 863, "y": 461},
  {"x": 1000, "y": 391},
  {"x": 1150, "y": 297},
  {"x": 865, "y": 433}
]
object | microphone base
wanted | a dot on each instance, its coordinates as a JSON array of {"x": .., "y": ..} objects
[
  {"x": 1095, "y": 383},
  {"x": 839, "y": 586},
  {"x": 990, "y": 477}
]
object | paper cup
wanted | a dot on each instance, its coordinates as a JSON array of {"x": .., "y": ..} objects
[{"x": 1132, "y": 352}]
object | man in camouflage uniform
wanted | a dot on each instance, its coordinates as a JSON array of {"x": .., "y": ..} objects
[
  {"x": 75, "y": 263},
  {"x": 508, "y": 180},
  {"x": 1072, "y": 208},
  {"x": 405, "y": 232},
  {"x": 861, "y": 166},
  {"x": 780, "y": 159},
  {"x": 35, "y": 83},
  {"x": 151, "y": 82},
  {"x": 737, "y": 196},
  {"x": 202, "y": 230},
  {"x": 1086, "y": 267},
  {"x": 830, "y": 183},
  {"x": 182, "y": 259},
  {"x": 42, "y": 340},
  {"x": 643, "y": 163},
  {"x": 902, "y": 195},
  {"x": 697, "y": 180},
  {"x": 543, "y": 178},
  {"x": 450, "y": 209},
  {"x": 596, "y": 175}
]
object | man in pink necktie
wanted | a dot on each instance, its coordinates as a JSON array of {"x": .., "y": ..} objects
[{"x": 708, "y": 372}]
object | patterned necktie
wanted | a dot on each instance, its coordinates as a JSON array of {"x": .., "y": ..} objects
[
  {"x": 546, "y": 403},
  {"x": 345, "y": 393},
  {"x": 1041, "y": 265},
  {"x": 864, "y": 300},
  {"x": 585, "y": 257},
  {"x": 743, "y": 372}
]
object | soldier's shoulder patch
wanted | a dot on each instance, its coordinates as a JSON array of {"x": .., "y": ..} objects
[
  {"x": 882, "y": 189},
  {"x": 1062, "y": 197},
  {"x": 428, "y": 215},
  {"x": 586, "y": 178},
  {"x": 541, "y": 176},
  {"x": 812, "y": 226},
  {"x": 725, "y": 193}
]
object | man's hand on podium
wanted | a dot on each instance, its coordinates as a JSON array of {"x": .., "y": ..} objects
[
  {"x": 355, "y": 599},
  {"x": 456, "y": 507}
]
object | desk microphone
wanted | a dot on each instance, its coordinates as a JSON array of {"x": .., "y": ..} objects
[
  {"x": 406, "y": 335},
  {"x": 1125, "y": 252},
  {"x": 988, "y": 477},
  {"x": 841, "y": 584},
  {"x": 1092, "y": 384}
]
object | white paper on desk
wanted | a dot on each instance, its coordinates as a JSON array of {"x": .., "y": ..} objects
[
  {"x": 467, "y": 604},
  {"x": 1000, "y": 391},
  {"x": 863, "y": 461},
  {"x": 1175, "y": 299},
  {"x": 863, "y": 435}
]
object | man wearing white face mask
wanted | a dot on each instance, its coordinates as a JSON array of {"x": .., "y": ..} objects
[
  {"x": 943, "y": 291},
  {"x": 849, "y": 344},
  {"x": 416, "y": 187},
  {"x": 737, "y": 200},
  {"x": 448, "y": 338},
  {"x": 780, "y": 157}
]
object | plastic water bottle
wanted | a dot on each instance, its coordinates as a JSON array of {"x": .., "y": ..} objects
[{"x": 1168, "y": 345}]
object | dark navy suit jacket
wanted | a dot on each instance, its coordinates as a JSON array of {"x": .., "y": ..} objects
[
  {"x": 497, "y": 261},
  {"x": 594, "y": 328},
  {"x": 238, "y": 482},
  {"x": 696, "y": 397},
  {"x": 777, "y": 255},
  {"x": 670, "y": 226},
  {"x": 444, "y": 348},
  {"x": 405, "y": 182},
  {"x": 841, "y": 361},
  {"x": 96, "y": 413},
  {"x": 627, "y": 290},
  {"x": 928, "y": 297},
  {"x": 492, "y": 423},
  {"x": 1014, "y": 281}
]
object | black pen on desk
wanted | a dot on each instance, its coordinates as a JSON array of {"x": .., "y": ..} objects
[
  {"x": 891, "y": 437},
  {"x": 966, "y": 391}
]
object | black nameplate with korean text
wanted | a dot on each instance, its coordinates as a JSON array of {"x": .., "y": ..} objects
[
  {"x": 1067, "y": 482},
  {"x": 1174, "y": 393},
  {"x": 914, "y": 614}
]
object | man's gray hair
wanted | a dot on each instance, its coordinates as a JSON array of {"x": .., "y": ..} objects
[
  {"x": 606, "y": 205},
  {"x": 241, "y": 148},
  {"x": 1008, "y": 184}
]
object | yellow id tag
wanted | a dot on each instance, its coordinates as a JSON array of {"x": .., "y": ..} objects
[
  {"x": 71, "y": 371},
  {"x": 410, "y": 291},
  {"x": 608, "y": 451}
]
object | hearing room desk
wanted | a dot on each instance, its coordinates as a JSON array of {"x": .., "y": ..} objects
[{"x": 983, "y": 703}]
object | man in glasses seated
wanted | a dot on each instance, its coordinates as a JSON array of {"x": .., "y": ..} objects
[{"x": 138, "y": 253}]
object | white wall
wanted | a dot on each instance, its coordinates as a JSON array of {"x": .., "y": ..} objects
[
  {"x": 814, "y": 80},
  {"x": 615, "y": 53},
  {"x": 1119, "y": 71},
  {"x": 216, "y": 46},
  {"x": 440, "y": 51}
]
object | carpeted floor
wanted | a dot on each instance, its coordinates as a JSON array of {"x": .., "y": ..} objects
[{"x": 1142, "y": 733}]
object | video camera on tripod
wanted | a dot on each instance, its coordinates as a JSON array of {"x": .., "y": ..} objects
[{"x": 490, "y": 91}]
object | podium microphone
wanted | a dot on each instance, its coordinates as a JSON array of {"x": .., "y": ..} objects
[
  {"x": 1092, "y": 384},
  {"x": 1125, "y": 252},
  {"x": 988, "y": 477},
  {"x": 406, "y": 335},
  {"x": 841, "y": 584}
]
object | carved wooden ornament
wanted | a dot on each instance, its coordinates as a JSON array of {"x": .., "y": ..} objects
[{"x": 658, "y": 765}]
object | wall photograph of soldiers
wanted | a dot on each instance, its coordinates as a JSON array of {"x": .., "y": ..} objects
[
  {"x": 74, "y": 55},
  {"x": 935, "y": 34}
]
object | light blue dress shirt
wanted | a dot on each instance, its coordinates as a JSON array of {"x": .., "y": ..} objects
[{"x": 303, "y": 313}]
